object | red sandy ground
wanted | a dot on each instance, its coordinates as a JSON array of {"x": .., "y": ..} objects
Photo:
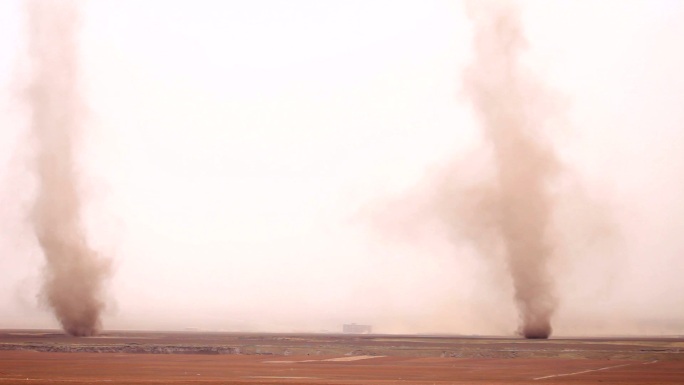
[
  {"x": 89, "y": 368},
  {"x": 306, "y": 359}
]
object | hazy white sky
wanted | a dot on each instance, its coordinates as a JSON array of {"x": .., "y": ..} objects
[{"x": 235, "y": 148}]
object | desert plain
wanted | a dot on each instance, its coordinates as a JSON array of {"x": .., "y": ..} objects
[{"x": 118, "y": 357}]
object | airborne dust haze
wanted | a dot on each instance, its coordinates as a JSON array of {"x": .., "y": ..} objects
[
  {"x": 437, "y": 167},
  {"x": 515, "y": 207},
  {"x": 74, "y": 272}
]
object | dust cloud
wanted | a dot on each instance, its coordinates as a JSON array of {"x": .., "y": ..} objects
[
  {"x": 238, "y": 144},
  {"x": 508, "y": 213},
  {"x": 74, "y": 273}
]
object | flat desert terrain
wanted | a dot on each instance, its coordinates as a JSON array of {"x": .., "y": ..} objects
[{"x": 49, "y": 357}]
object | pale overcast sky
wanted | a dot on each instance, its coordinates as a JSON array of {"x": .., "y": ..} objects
[{"x": 234, "y": 148}]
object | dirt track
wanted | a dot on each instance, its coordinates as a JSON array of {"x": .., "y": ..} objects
[{"x": 333, "y": 359}]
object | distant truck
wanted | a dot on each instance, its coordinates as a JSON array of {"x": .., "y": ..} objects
[{"x": 357, "y": 329}]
